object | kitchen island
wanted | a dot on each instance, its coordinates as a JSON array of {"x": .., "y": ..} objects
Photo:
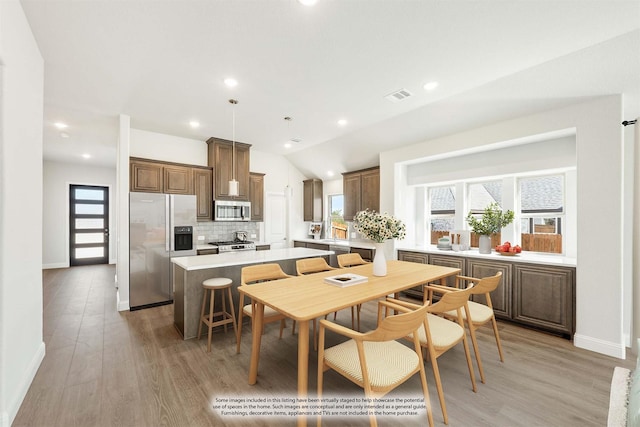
[{"x": 190, "y": 272}]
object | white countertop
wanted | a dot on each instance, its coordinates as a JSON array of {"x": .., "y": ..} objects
[
  {"x": 337, "y": 242},
  {"x": 201, "y": 262},
  {"x": 534, "y": 258}
]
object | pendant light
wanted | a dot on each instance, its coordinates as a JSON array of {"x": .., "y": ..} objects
[{"x": 233, "y": 184}]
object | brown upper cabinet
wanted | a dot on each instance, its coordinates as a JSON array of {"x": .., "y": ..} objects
[
  {"x": 361, "y": 190},
  {"x": 312, "y": 200},
  {"x": 256, "y": 196},
  {"x": 151, "y": 176},
  {"x": 221, "y": 155}
]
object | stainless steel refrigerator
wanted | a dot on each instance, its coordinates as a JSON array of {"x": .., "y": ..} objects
[{"x": 160, "y": 227}]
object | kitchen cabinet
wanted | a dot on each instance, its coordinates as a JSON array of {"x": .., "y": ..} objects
[
  {"x": 366, "y": 254},
  {"x": 203, "y": 185},
  {"x": 312, "y": 200},
  {"x": 256, "y": 196},
  {"x": 535, "y": 295},
  {"x": 449, "y": 261},
  {"x": 263, "y": 247},
  {"x": 361, "y": 190},
  {"x": 153, "y": 176},
  {"x": 145, "y": 176},
  {"x": 221, "y": 158},
  {"x": 212, "y": 251}
]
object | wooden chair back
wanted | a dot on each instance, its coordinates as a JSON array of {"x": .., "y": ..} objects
[
  {"x": 261, "y": 273},
  {"x": 399, "y": 326},
  {"x": 487, "y": 284},
  {"x": 350, "y": 260},
  {"x": 312, "y": 265}
]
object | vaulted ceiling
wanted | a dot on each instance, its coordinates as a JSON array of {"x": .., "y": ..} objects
[{"x": 163, "y": 63}]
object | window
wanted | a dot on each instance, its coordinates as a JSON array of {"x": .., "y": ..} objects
[
  {"x": 338, "y": 226},
  {"x": 442, "y": 201},
  {"x": 542, "y": 213},
  {"x": 479, "y": 196}
]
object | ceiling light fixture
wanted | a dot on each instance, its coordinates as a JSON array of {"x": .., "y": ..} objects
[
  {"x": 61, "y": 125},
  {"x": 194, "y": 124},
  {"x": 233, "y": 184},
  {"x": 86, "y": 156},
  {"x": 307, "y": 2},
  {"x": 287, "y": 145},
  {"x": 342, "y": 122},
  {"x": 330, "y": 173},
  {"x": 430, "y": 86},
  {"x": 230, "y": 82}
]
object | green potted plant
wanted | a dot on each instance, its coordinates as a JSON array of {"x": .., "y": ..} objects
[{"x": 491, "y": 222}]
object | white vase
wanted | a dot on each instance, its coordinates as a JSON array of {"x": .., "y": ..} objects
[
  {"x": 379, "y": 261},
  {"x": 484, "y": 246}
]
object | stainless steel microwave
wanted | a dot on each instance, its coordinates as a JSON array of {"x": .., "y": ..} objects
[{"x": 227, "y": 210}]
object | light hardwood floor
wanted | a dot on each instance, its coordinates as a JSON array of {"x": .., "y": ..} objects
[{"x": 109, "y": 368}]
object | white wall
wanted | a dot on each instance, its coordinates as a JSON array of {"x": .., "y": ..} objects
[
  {"x": 21, "y": 109},
  {"x": 55, "y": 230},
  {"x": 168, "y": 148},
  {"x": 599, "y": 144}
]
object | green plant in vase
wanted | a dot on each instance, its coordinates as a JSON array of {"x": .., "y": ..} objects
[{"x": 493, "y": 220}]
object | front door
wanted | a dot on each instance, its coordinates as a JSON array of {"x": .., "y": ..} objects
[
  {"x": 276, "y": 220},
  {"x": 88, "y": 225}
]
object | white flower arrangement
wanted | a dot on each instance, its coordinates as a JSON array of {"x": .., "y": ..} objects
[{"x": 378, "y": 227}]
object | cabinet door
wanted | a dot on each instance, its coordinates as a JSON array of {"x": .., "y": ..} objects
[
  {"x": 299, "y": 244},
  {"x": 146, "y": 177},
  {"x": 178, "y": 180},
  {"x": 418, "y": 257},
  {"x": 351, "y": 190},
  {"x": 370, "y": 190},
  {"x": 256, "y": 196},
  {"x": 319, "y": 246},
  {"x": 312, "y": 203},
  {"x": 501, "y": 297},
  {"x": 202, "y": 179},
  {"x": 448, "y": 261},
  {"x": 263, "y": 247},
  {"x": 544, "y": 297},
  {"x": 366, "y": 254},
  {"x": 222, "y": 170},
  {"x": 242, "y": 172}
]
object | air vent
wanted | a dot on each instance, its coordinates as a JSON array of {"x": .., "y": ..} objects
[{"x": 398, "y": 95}]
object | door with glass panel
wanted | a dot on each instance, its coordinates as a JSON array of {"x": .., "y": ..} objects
[{"x": 88, "y": 225}]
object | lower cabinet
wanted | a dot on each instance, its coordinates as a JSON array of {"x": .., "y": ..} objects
[
  {"x": 263, "y": 247},
  {"x": 366, "y": 254},
  {"x": 535, "y": 295}
]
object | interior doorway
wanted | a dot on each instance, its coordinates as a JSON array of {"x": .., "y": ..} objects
[{"x": 88, "y": 225}]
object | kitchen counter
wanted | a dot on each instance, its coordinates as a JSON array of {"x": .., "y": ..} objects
[
  {"x": 526, "y": 257},
  {"x": 200, "y": 262},
  {"x": 189, "y": 273}
]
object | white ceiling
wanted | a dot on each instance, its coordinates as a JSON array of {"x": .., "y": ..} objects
[{"x": 163, "y": 64}]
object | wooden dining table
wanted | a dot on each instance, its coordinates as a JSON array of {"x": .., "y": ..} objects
[{"x": 304, "y": 298}]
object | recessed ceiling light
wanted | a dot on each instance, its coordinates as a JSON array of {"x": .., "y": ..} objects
[
  {"x": 86, "y": 156},
  {"x": 342, "y": 122},
  {"x": 430, "y": 86},
  {"x": 330, "y": 173},
  {"x": 194, "y": 124},
  {"x": 287, "y": 145},
  {"x": 61, "y": 125},
  {"x": 64, "y": 135},
  {"x": 230, "y": 82},
  {"x": 307, "y": 2}
]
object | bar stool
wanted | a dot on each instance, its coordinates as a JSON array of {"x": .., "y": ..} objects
[{"x": 213, "y": 285}]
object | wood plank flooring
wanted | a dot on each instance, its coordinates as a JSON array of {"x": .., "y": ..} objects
[{"x": 109, "y": 368}]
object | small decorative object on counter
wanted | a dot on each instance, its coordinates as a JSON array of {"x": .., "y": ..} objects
[
  {"x": 379, "y": 227},
  {"x": 491, "y": 222},
  {"x": 444, "y": 243}
]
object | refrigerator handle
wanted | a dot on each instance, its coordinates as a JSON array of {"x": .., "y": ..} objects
[
  {"x": 170, "y": 222},
  {"x": 168, "y": 240}
]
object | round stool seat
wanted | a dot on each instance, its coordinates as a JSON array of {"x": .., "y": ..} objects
[{"x": 217, "y": 283}]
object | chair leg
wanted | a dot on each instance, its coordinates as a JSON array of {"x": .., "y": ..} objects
[
  {"x": 358, "y": 312},
  {"x": 476, "y": 350},
  {"x": 239, "y": 335},
  {"x": 204, "y": 303},
  {"x": 436, "y": 374},
  {"x": 469, "y": 364},
  {"x": 353, "y": 319},
  {"x": 282, "y": 326},
  {"x": 293, "y": 328},
  {"x": 495, "y": 332},
  {"x": 211, "y": 305},
  {"x": 224, "y": 309},
  {"x": 425, "y": 391},
  {"x": 233, "y": 311}
]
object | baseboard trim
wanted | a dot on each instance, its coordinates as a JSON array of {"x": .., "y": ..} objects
[
  {"x": 55, "y": 265},
  {"x": 600, "y": 346},
  {"x": 123, "y": 305},
  {"x": 14, "y": 406}
]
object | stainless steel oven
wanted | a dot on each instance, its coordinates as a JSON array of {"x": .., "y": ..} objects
[{"x": 226, "y": 210}]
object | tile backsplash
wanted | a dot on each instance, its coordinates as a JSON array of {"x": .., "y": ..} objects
[{"x": 220, "y": 231}]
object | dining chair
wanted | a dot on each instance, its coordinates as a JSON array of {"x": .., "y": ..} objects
[
  {"x": 310, "y": 266},
  {"x": 374, "y": 360},
  {"x": 257, "y": 274},
  {"x": 351, "y": 260},
  {"x": 480, "y": 314},
  {"x": 438, "y": 334}
]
